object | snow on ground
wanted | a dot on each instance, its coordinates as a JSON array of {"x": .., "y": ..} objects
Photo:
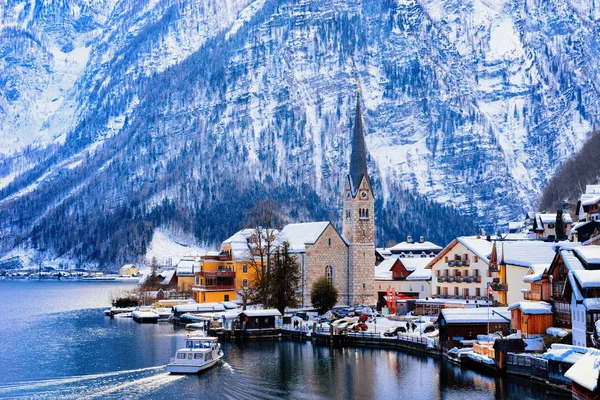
[{"x": 166, "y": 245}]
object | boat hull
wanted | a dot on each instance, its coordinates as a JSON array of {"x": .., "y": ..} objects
[{"x": 175, "y": 368}]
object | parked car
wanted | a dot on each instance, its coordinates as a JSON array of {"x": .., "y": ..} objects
[{"x": 394, "y": 331}]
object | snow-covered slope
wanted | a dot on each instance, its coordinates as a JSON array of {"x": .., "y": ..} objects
[{"x": 191, "y": 107}]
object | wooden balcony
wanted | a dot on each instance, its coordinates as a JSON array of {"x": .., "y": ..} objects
[
  {"x": 499, "y": 287},
  {"x": 220, "y": 257},
  {"x": 216, "y": 287},
  {"x": 217, "y": 274},
  {"x": 532, "y": 296}
]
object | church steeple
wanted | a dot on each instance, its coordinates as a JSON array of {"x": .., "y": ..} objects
[{"x": 358, "y": 159}]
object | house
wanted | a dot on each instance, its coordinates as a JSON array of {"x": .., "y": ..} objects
[
  {"x": 531, "y": 318},
  {"x": 457, "y": 324},
  {"x": 584, "y": 376},
  {"x": 560, "y": 358},
  {"x": 588, "y": 204},
  {"x": 521, "y": 258},
  {"x": 461, "y": 270},
  {"x": 410, "y": 248},
  {"x": 128, "y": 270},
  {"x": 584, "y": 287},
  {"x": 545, "y": 226},
  {"x": 407, "y": 277},
  {"x": 584, "y": 231}
]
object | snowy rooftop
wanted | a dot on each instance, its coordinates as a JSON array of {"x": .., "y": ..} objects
[
  {"x": 383, "y": 270},
  {"x": 585, "y": 371},
  {"x": 202, "y": 307},
  {"x": 575, "y": 287},
  {"x": 475, "y": 315},
  {"x": 481, "y": 247},
  {"x": 589, "y": 199},
  {"x": 571, "y": 261},
  {"x": 532, "y": 307},
  {"x": 530, "y": 253},
  {"x": 420, "y": 274},
  {"x": 262, "y": 313},
  {"x": 414, "y": 263},
  {"x": 536, "y": 271},
  {"x": 304, "y": 233},
  {"x": 383, "y": 251},
  {"x": 185, "y": 267},
  {"x": 405, "y": 247},
  {"x": 515, "y": 225},
  {"x": 551, "y": 218},
  {"x": 590, "y": 254},
  {"x": 592, "y": 189},
  {"x": 592, "y": 304},
  {"x": 587, "y": 278}
]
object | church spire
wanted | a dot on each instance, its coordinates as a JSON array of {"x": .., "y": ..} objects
[{"x": 358, "y": 159}]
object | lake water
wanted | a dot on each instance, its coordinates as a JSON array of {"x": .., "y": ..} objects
[{"x": 56, "y": 343}]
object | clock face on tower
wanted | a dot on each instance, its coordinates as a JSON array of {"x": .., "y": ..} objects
[{"x": 364, "y": 195}]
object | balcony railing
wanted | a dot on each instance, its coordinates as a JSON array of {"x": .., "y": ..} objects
[
  {"x": 499, "y": 287},
  {"x": 216, "y": 287},
  {"x": 533, "y": 296},
  {"x": 217, "y": 274},
  {"x": 459, "y": 279},
  {"x": 557, "y": 289},
  {"x": 220, "y": 257},
  {"x": 459, "y": 263},
  {"x": 453, "y": 297}
]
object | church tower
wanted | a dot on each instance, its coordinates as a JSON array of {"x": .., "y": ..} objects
[{"x": 359, "y": 220}]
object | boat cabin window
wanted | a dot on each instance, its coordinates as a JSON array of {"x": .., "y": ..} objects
[
  {"x": 197, "y": 356},
  {"x": 189, "y": 356},
  {"x": 181, "y": 355},
  {"x": 197, "y": 344}
]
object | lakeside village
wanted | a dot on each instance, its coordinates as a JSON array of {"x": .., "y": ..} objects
[{"x": 525, "y": 303}]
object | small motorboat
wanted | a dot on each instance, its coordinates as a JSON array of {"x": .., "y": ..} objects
[
  {"x": 145, "y": 315},
  {"x": 198, "y": 354}
]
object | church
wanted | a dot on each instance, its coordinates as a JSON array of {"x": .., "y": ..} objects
[{"x": 347, "y": 259}]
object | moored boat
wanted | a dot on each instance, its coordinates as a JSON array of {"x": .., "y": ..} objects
[
  {"x": 145, "y": 315},
  {"x": 199, "y": 353}
]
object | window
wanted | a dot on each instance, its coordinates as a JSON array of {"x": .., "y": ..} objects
[
  {"x": 364, "y": 286},
  {"x": 245, "y": 268},
  {"x": 437, "y": 273},
  {"x": 478, "y": 292},
  {"x": 329, "y": 273},
  {"x": 181, "y": 356},
  {"x": 225, "y": 297},
  {"x": 438, "y": 290},
  {"x": 446, "y": 259},
  {"x": 329, "y": 240},
  {"x": 245, "y": 283},
  {"x": 456, "y": 290},
  {"x": 198, "y": 356},
  {"x": 465, "y": 293},
  {"x": 190, "y": 355},
  {"x": 475, "y": 259},
  {"x": 476, "y": 272}
]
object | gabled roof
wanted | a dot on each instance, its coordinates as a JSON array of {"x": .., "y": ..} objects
[
  {"x": 533, "y": 253},
  {"x": 185, "y": 267},
  {"x": 383, "y": 271},
  {"x": 551, "y": 218},
  {"x": 299, "y": 235},
  {"x": 585, "y": 371},
  {"x": 572, "y": 283},
  {"x": 587, "y": 279},
  {"x": 532, "y": 307},
  {"x": 482, "y": 248},
  {"x": 261, "y": 313}
]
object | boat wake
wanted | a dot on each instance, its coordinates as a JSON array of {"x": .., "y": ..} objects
[{"x": 134, "y": 383}]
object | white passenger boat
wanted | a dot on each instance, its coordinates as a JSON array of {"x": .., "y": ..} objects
[{"x": 198, "y": 354}]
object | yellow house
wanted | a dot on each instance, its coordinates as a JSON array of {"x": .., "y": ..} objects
[
  {"x": 222, "y": 274},
  {"x": 128, "y": 270}
]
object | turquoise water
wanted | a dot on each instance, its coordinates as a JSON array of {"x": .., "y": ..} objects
[{"x": 56, "y": 343}]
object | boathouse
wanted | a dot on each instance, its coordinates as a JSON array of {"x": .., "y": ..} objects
[
  {"x": 584, "y": 376},
  {"x": 456, "y": 324},
  {"x": 531, "y": 318},
  {"x": 259, "y": 319}
]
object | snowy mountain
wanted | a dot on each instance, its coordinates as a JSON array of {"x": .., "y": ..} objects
[{"x": 122, "y": 116}]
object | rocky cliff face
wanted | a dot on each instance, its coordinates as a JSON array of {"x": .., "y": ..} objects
[{"x": 119, "y": 116}]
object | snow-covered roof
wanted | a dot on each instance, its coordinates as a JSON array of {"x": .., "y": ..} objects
[
  {"x": 571, "y": 261},
  {"x": 298, "y": 235},
  {"x": 420, "y": 274},
  {"x": 515, "y": 225},
  {"x": 185, "y": 267},
  {"x": 592, "y": 304},
  {"x": 579, "y": 225},
  {"x": 167, "y": 276},
  {"x": 532, "y": 307},
  {"x": 481, "y": 247},
  {"x": 384, "y": 251},
  {"x": 575, "y": 287},
  {"x": 587, "y": 278},
  {"x": 405, "y": 247},
  {"x": 530, "y": 253},
  {"x": 475, "y": 315},
  {"x": 126, "y": 267},
  {"x": 589, "y": 254},
  {"x": 592, "y": 189},
  {"x": 585, "y": 371},
  {"x": 551, "y": 218},
  {"x": 535, "y": 273},
  {"x": 589, "y": 199},
  {"x": 383, "y": 270},
  {"x": 414, "y": 263},
  {"x": 202, "y": 307},
  {"x": 262, "y": 313}
]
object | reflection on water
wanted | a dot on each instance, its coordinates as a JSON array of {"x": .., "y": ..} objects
[{"x": 54, "y": 346}]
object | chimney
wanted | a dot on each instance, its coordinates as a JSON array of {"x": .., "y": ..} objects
[
  {"x": 409, "y": 239},
  {"x": 478, "y": 236},
  {"x": 488, "y": 238},
  {"x": 421, "y": 239}
]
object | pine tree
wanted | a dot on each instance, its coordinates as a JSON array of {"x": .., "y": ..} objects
[
  {"x": 323, "y": 295},
  {"x": 285, "y": 279},
  {"x": 560, "y": 226}
]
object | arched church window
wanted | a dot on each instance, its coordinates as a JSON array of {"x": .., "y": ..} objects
[{"x": 329, "y": 273}]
